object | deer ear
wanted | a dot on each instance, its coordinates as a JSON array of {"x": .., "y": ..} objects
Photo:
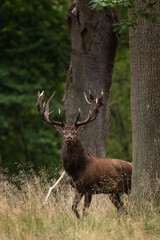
[
  {"x": 58, "y": 128},
  {"x": 80, "y": 128}
]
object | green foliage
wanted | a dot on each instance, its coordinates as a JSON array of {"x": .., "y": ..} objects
[
  {"x": 100, "y": 4},
  {"x": 34, "y": 51},
  {"x": 147, "y": 11}
]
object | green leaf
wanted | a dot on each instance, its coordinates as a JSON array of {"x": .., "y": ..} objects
[{"x": 105, "y": 9}]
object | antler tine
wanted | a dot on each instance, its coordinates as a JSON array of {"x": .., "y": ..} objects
[
  {"x": 48, "y": 102},
  {"x": 86, "y": 99},
  {"x": 44, "y": 104},
  {"x": 44, "y": 111},
  {"x": 78, "y": 116},
  {"x": 95, "y": 103},
  {"x": 100, "y": 100},
  {"x": 91, "y": 95},
  {"x": 39, "y": 101},
  {"x": 61, "y": 117}
]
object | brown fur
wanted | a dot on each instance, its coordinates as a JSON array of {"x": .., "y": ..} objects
[{"x": 90, "y": 174}]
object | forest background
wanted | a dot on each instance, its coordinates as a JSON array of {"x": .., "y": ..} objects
[{"x": 34, "y": 56}]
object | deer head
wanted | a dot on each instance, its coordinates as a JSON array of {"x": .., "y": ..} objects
[{"x": 70, "y": 132}]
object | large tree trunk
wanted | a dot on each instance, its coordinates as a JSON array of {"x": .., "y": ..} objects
[
  {"x": 145, "y": 104},
  {"x": 93, "y": 45}
]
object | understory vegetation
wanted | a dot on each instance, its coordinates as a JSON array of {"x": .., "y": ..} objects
[{"x": 21, "y": 215}]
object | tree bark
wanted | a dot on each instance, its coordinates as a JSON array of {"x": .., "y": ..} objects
[
  {"x": 145, "y": 106},
  {"x": 93, "y": 45}
]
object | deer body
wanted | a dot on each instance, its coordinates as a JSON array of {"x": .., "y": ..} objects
[{"x": 89, "y": 174}]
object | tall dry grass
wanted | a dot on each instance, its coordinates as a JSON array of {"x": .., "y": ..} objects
[{"x": 21, "y": 217}]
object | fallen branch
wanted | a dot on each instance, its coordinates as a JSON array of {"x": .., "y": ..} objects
[{"x": 51, "y": 188}]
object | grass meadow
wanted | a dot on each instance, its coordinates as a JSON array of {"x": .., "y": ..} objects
[{"x": 22, "y": 218}]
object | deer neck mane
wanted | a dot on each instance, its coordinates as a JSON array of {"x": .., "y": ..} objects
[{"x": 73, "y": 158}]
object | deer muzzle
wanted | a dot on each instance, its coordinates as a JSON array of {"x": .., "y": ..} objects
[{"x": 69, "y": 139}]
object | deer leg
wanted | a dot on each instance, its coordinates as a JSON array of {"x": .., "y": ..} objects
[
  {"x": 76, "y": 201},
  {"x": 87, "y": 202},
  {"x": 116, "y": 200}
]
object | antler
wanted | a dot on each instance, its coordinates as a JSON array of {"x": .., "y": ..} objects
[
  {"x": 95, "y": 103},
  {"x": 44, "y": 111}
]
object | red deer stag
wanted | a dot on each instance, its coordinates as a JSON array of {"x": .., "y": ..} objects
[{"x": 88, "y": 174}]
